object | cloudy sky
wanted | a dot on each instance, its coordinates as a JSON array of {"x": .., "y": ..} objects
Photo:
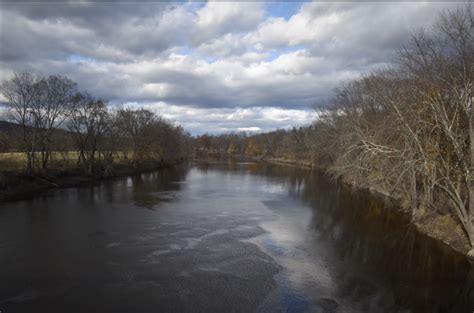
[{"x": 212, "y": 67}]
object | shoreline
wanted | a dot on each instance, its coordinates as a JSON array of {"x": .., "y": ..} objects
[
  {"x": 27, "y": 187},
  {"x": 439, "y": 227}
]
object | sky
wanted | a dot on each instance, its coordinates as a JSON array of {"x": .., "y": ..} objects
[{"x": 213, "y": 67}]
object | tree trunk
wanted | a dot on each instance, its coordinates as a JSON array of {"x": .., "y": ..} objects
[
  {"x": 414, "y": 194},
  {"x": 29, "y": 165},
  {"x": 91, "y": 162},
  {"x": 45, "y": 159},
  {"x": 471, "y": 176}
]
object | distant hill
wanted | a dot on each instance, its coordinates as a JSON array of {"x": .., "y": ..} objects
[
  {"x": 8, "y": 126},
  {"x": 10, "y": 134}
]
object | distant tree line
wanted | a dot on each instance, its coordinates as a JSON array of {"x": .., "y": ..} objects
[
  {"x": 407, "y": 130},
  {"x": 291, "y": 144},
  {"x": 53, "y": 118}
]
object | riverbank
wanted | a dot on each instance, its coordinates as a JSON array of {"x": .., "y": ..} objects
[
  {"x": 271, "y": 235},
  {"x": 20, "y": 186},
  {"x": 289, "y": 162},
  {"x": 440, "y": 227}
]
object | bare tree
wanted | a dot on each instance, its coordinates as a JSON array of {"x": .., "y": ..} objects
[
  {"x": 52, "y": 101},
  {"x": 87, "y": 120},
  {"x": 20, "y": 92},
  {"x": 136, "y": 125},
  {"x": 441, "y": 65}
]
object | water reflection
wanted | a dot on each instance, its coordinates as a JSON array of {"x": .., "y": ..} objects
[
  {"x": 380, "y": 262},
  {"x": 216, "y": 237},
  {"x": 423, "y": 274},
  {"x": 152, "y": 189}
]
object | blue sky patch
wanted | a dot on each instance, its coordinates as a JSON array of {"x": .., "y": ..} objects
[
  {"x": 275, "y": 53},
  {"x": 283, "y": 9},
  {"x": 78, "y": 58}
]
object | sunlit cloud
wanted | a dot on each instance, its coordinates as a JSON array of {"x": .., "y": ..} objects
[{"x": 214, "y": 67}]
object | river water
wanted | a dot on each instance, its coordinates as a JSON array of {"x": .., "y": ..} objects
[{"x": 222, "y": 237}]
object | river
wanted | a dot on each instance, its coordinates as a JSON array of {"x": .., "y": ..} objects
[{"x": 222, "y": 237}]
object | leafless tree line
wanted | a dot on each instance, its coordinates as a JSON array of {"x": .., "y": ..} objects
[
  {"x": 407, "y": 130},
  {"x": 295, "y": 143},
  {"x": 53, "y": 116}
]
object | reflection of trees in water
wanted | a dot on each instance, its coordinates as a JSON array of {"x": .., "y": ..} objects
[
  {"x": 291, "y": 177},
  {"x": 367, "y": 232},
  {"x": 203, "y": 167},
  {"x": 149, "y": 189},
  {"x": 426, "y": 274}
]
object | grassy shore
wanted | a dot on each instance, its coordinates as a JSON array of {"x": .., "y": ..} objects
[
  {"x": 15, "y": 184},
  {"x": 59, "y": 160}
]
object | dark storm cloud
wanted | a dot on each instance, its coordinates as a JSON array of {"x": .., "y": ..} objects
[
  {"x": 58, "y": 28},
  {"x": 106, "y": 14}
]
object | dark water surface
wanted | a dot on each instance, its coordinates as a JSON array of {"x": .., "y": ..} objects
[{"x": 222, "y": 237}]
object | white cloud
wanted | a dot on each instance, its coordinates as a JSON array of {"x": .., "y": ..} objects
[
  {"x": 249, "y": 129},
  {"x": 220, "y": 18},
  {"x": 219, "y": 120},
  {"x": 213, "y": 66}
]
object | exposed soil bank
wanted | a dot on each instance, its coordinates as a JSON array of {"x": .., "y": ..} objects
[
  {"x": 297, "y": 163},
  {"x": 20, "y": 186},
  {"x": 440, "y": 227}
]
